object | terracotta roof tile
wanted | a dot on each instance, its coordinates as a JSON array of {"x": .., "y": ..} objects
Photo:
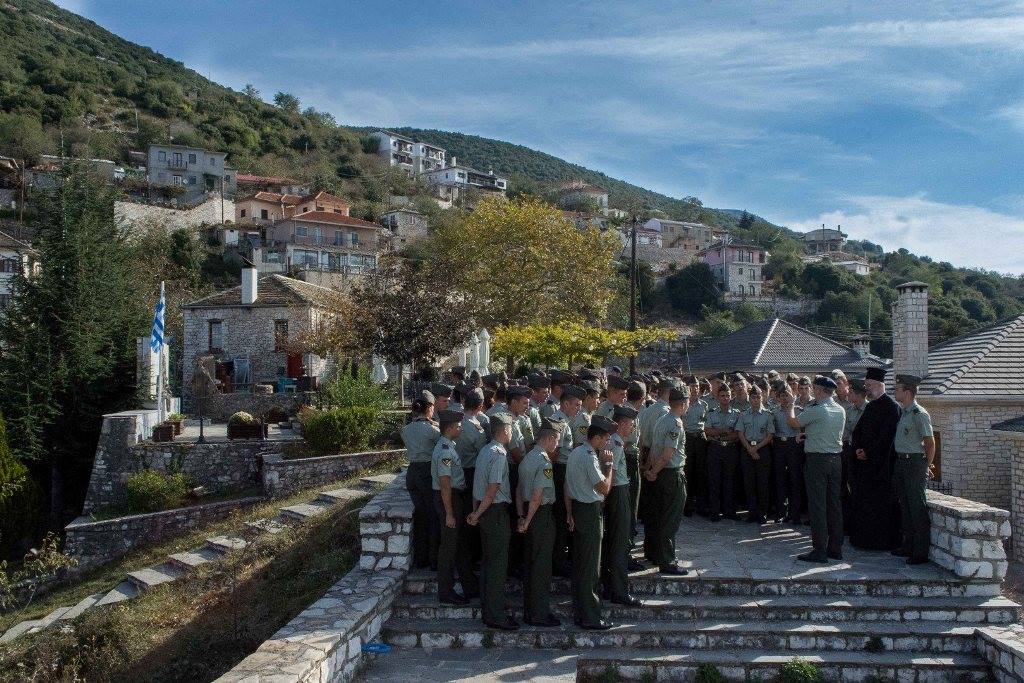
[
  {"x": 273, "y": 291},
  {"x": 331, "y": 217}
]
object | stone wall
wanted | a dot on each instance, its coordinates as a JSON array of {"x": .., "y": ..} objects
[
  {"x": 283, "y": 477},
  {"x": 120, "y": 431},
  {"x": 967, "y": 537},
  {"x": 219, "y": 407},
  {"x": 324, "y": 643},
  {"x": 1017, "y": 497},
  {"x": 209, "y": 212},
  {"x": 1003, "y": 648},
  {"x": 94, "y": 543}
]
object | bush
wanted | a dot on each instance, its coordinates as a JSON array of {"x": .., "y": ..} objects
[
  {"x": 242, "y": 418},
  {"x": 18, "y": 494},
  {"x": 800, "y": 671},
  {"x": 341, "y": 430},
  {"x": 151, "y": 491},
  {"x": 353, "y": 388},
  {"x": 709, "y": 673}
]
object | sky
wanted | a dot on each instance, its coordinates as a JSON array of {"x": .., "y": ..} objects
[{"x": 901, "y": 122}]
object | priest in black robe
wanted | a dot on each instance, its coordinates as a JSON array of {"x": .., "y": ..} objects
[{"x": 875, "y": 515}]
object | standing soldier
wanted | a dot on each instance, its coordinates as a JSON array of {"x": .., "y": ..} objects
[
  {"x": 419, "y": 437},
  {"x": 617, "y": 387},
  {"x": 822, "y": 422},
  {"x": 535, "y": 497},
  {"x": 635, "y": 395},
  {"x": 723, "y": 458},
  {"x": 803, "y": 396},
  {"x": 787, "y": 459},
  {"x": 569, "y": 406},
  {"x": 646, "y": 420},
  {"x": 740, "y": 393},
  {"x": 442, "y": 396},
  {"x": 558, "y": 380},
  {"x": 468, "y": 445},
  {"x": 696, "y": 450},
  {"x": 449, "y": 484},
  {"x": 915, "y": 450},
  {"x": 665, "y": 472},
  {"x": 492, "y": 495},
  {"x": 522, "y": 441},
  {"x": 755, "y": 428},
  {"x": 617, "y": 517},
  {"x": 588, "y": 479},
  {"x": 540, "y": 389},
  {"x": 583, "y": 418}
]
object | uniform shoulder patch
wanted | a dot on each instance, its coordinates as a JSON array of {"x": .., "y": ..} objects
[
  {"x": 444, "y": 446},
  {"x": 447, "y": 462},
  {"x": 548, "y": 473}
]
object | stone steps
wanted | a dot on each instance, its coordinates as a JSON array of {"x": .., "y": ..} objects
[
  {"x": 225, "y": 544},
  {"x": 82, "y": 606},
  {"x": 151, "y": 577},
  {"x": 266, "y": 526},
  {"x": 377, "y": 481},
  {"x": 193, "y": 559},
  {"x": 126, "y": 590},
  {"x": 780, "y": 636},
  {"x": 304, "y": 511},
  {"x": 777, "y": 608},
  {"x": 341, "y": 496},
  {"x": 50, "y": 618}
]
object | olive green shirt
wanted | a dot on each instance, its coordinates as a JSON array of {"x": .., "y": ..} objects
[
  {"x": 853, "y": 415},
  {"x": 565, "y": 438},
  {"x": 492, "y": 468},
  {"x": 419, "y": 437},
  {"x": 549, "y": 407},
  {"x": 606, "y": 409},
  {"x": 649, "y": 417},
  {"x": 914, "y": 425},
  {"x": 526, "y": 433},
  {"x": 695, "y": 416},
  {"x": 755, "y": 425},
  {"x": 823, "y": 424},
  {"x": 580, "y": 425},
  {"x": 582, "y": 473},
  {"x": 742, "y": 406},
  {"x": 534, "y": 415},
  {"x": 782, "y": 428},
  {"x": 470, "y": 441},
  {"x": 618, "y": 447},
  {"x": 719, "y": 418},
  {"x": 445, "y": 463},
  {"x": 668, "y": 433},
  {"x": 536, "y": 472},
  {"x": 632, "y": 440}
]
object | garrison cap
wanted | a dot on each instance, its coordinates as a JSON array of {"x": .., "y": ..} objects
[
  {"x": 691, "y": 379},
  {"x": 636, "y": 390},
  {"x": 754, "y": 391},
  {"x": 877, "y": 374},
  {"x": 773, "y": 374},
  {"x": 912, "y": 381},
  {"x": 677, "y": 394},
  {"x": 857, "y": 385},
  {"x": 623, "y": 412},
  {"x": 560, "y": 376},
  {"x": 838, "y": 374},
  {"x": 538, "y": 382},
  {"x": 439, "y": 389},
  {"x": 426, "y": 397},
  {"x": 450, "y": 416},
  {"x": 617, "y": 382},
  {"x": 604, "y": 424},
  {"x": 550, "y": 425},
  {"x": 474, "y": 379},
  {"x": 826, "y": 382},
  {"x": 588, "y": 375},
  {"x": 503, "y": 418},
  {"x": 805, "y": 381},
  {"x": 792, "y": 377},
  {"x": 616, "y": 369},
  {"x": 573, "y": 391},
  {"x": 590, "y": 387},
  {"x": 737, "y": 377},
  {"x": 719, "y": 376},
  {"x": 490, "y": 380},
  {"x": 518, "y": 392}
]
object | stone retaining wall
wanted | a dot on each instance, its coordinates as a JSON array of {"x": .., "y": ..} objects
[
  {"x": 324, "y": 643},
  {"x": 94, "y": 543},
  {"x": 1003, "y": 648},
  {"x": 219, "y": 407},
  {"x": 967, "y": 537},
  {"x": 283, "y": 477}
]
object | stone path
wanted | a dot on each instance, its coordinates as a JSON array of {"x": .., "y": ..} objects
[{"x": 180, "y": 565}]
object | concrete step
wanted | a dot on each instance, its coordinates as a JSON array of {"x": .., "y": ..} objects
[
  {"x": 126, "y": 590},
  {"x": 82, "y": 606},
  {"x": 377, "y": 481},
  {"x": 341, "y": 496},
  {"x": 786, "y": 636},
  {"x": 18, "y": 630},
  {"x": 809, "y": 608},
  {"x": 304, "y": 511},
  {"x": 53, "y": 616},
  {"x": 225, "y": 544},
  {"x": 649, "y": 583},
  {"x": 266, "y": 526},
  {"x": 192, "y": 559},
  {"x": 151, "y": 577}
]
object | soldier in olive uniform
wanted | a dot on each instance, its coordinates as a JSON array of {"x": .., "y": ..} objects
[
  {"x": 617, "y": 387},
  {"x": 419, "y": 437},
  {"x": 646, "y": 421},
  {"x": 449, "y": 483},
  {"x": 914, "y": 445},
  {"x": 756, "y": 428},
  {"x": 535, "y": 498},
  {"x": 665, "y": 472},
  {"x": 581, "y": 423},
  {"x": 787, "y": 459},
  {"x": 492, "y": 495},
  {"x": 723, "y": 458},
  {"x": 803, "y": 394},
  {"x": 696, "y": 450},
  {"x": 635, "y": 395},
  {"x": 617, "y": 517},
  {"x": 740, "y": 393},
  {"x": 822, "y": 422},
  {"x": 442, "y": 396},
  {"x": 540, "y": 389},
  {"x": 569, "y": 406},
  {"x": 588, "y": 479},
  {"x": 522, "y": 441},
  {"x": 558, "y": 380}
]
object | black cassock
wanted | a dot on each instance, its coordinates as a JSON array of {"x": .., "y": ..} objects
[{"x": 875, "y": 513}]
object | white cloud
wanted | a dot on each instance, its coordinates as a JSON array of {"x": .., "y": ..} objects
[
  {"x": 1014, "y": 113},
  {"x": 965, "y": 235},
  {"x": 1002, "y": 32}
]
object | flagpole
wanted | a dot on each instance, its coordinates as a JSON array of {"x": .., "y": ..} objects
[{"x": 160, "y": 410}]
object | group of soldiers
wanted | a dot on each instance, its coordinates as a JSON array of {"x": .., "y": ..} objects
[{"x": 555, "y": 473}]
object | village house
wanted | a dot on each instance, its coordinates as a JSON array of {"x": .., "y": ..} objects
[
  {"x": 826, "y": 244},
  {"x": 404, "y": 226},
  {"x": 412, "y": 155},
  {"x": 577, "y": 195},
  {"x": 254, "y": 331},
  {"x": 454, "y": 180},
  {"x": 249, "y": 184},
  {"x": 263, "y": 208},
  {"x": 196, "y": 170},
  {"x": 16, "y": 258},
  {"x": 737, "y": 268},
  {"x": 47, "y": 173}
]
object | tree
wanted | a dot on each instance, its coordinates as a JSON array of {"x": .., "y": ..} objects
[
  {"x": 519, "y": 262},
  {"x": 251, "y": 92},
  {"x": 567, "y": 343},
  {"x": 746, "y": 221},
  {"x": 692, "y": 289},
  {"x": 286, "y": 102},
  {"x": 18, "y": 495},
  {"x": 69, "y": 336}
]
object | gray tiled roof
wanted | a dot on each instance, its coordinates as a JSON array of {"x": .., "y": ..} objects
[
  {"x": 986, "y": 362},
  {"x": 1014, "y": 425},
  {"x": 777, "y": 344},
  {"x": 273, "y": 290}
]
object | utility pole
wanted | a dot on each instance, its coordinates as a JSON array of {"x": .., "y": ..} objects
[{"x": 632, "y": 288}]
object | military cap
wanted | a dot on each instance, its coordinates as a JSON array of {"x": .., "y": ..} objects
[
  {"x": 426, "y": 397},
  {"x": 439, "y": 389},
  {"x": 616, "y": 382},
  {"x": 792, "y": 377},
  {"x": 476, "y": 391},
  {"x": 489, "y": 380},
  {"x": 550, "y": 425},
  {"x": 754, "y": 391},
  {"x": 857, "y": 385},
  {"x": 636, "y": 390},
  {"x": 826, "y": 382},
  {"x": 704, "y": 384},
  {"x": 560, "y": 376},
  {"x": 912, "y": 381},
  {"x": 877, "y": 374},
  {"x": 690, "y": 379},
  {"x": 677, "y": 394},
  {"x": 590, "y": 387},
  {"x": 459, "y": 370},
  {"x": 518, "y": 392},
  {"x": 737, "y": 377},
  {"x": 616, "y": 369},
  {"x": 538, "y": 382},
  {"x": 779, "y": 386},
  {"x": 503, "y": 418},
  {"x": 838, "y": 374},
  {"x": 587, "y": 374},
  {"x": 450, "y": 416},
  {"x": 805, "y": 381},
  {"x": 573, "y": 391},
  {"x": 474, "y": 379},
  {"x": 773, "y": 374},
  {"x": 604, "y": 424},
  {"x": 656, "y": 373},
  {"x": 623, "y": 412},
  {"x": 720, "y": 376}
]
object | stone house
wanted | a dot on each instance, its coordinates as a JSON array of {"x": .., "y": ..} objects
[
  {"x": 737, "y": 268},
  {"x": 254, "y": 328},
  {"x": 405, "y": 226},
  {"x": 196, "y": 170},
  {"x": 970, "y": 383},
  {"x": 1013, "y": 430},
  {"x": 16, "y": 258}
]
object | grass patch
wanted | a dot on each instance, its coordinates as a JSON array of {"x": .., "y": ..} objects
[{"x": 121, "y": 511}]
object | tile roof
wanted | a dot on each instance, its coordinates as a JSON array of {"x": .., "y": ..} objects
[
  {"x": 1014, "y": 425},
  {"x": 8, "y": 242},
  {"x": 272, "y": 291},
  {"x": 777, "y": 344},
  {"x": 268, "y": 179},
  {"x": 291, "y": 199},
  {"x": 986, "y": 362},
  {"x": 331, "y": 217}
]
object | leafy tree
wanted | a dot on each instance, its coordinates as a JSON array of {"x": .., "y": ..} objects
[
  {"x": 22, "y": 137},
  {"x": 567, "y": 343},
  {"x": 286, "y": 102},
  {"x": 692, "y": 289},
  {"x": 746, "y": 221},
  {"x": 717, "y": 324},
  {"x": 251, "y": 92},
  {"x": 18, "y": 498}
]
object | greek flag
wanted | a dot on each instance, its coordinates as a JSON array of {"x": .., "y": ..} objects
[{"x": 156, "y": 339}]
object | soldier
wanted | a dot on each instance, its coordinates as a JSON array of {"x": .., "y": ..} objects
[
  {"x": 617, "y": 387},
  {"x": 914, "y": 445},
  {"x": 696, "y": 450},
  {"x": 723, "y": 458},
  {"x": 540, "y": 389},
  {"x": 803, "y": 395},
  {"x": 442, "y": 396},
  {"x": 756, "y": 428},
  {"x": 588, "y": 479},
  {"x": 665, "y": 472},
  {"x": 558, "y": 380},
  {"x": 459, "y": 392},
  {"x": 535, "y": 497},
  {"x": 419, "y": 437},
  {"x": 716, "y": 381},
  {"x": 449, "y": 485},
  {"x": 569, "y": 406},
  {"x": 740, "y": 393},
  {"x": 586, "y": 413},
  {"x": 787, "y": 460},
  {"x": 822, "y": 422},
  {"x": 617, "y": 515},
  {"x": 521, "y": 442},
  {"x": 492, "y": 495},
  {"x": 472, "y": 438},
  {"x": 793, "y": 382},
  {"x": 646, "y": 421},
  {"x": 635, "y": 396}
]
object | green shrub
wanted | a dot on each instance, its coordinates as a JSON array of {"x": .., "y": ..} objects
[
  {"x": 709, "y": 673},
  {"x": 242, "y": 418},
  {"x": 18, "y": 497},
  {"x": 800, "y": 671},
  {"x": 150, "y": 491},
  {"x": 341, "y": 430},
  {"x": 348, "y": 388}
]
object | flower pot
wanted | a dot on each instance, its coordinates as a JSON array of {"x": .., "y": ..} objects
[
  {"x": 178, "y": 426},
  {"x": 163, "y": 432},
  {"x": 243, "y": 431}
]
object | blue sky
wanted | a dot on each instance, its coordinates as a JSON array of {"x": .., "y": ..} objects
[{"x": 902, "y": 122}]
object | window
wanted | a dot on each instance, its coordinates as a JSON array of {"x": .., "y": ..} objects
[
  {"x": 339, "y": 238},
  {"x": 10, "y": 265},
  {"x": 177, "y": 180},
  {"x": 213, "y": 161},
  {"x": 319, "y": 208},
  {"x": 355, "y": 239},
  {"x": 301, "y": 231},
  {"x": 191, "y": 158},
  {"x": 280, "y": 335},
  {"x": 263, "y": 214},
  {"x": 216, "y": 335},
  {"x": 338, "y": 211},
  {"x": 741, "y": 271},
  {"x": 191, "y": 180},
  {"x": 243, "y": 213},
  {"x": 177, "y": 158},
  {"x": 161, "y": 156}
]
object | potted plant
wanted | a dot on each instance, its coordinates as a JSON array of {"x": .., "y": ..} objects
[
  {"x": 242, "y": 425},
  {"x": 178, "y": 421},
  {"x": 163, "y": 432}
]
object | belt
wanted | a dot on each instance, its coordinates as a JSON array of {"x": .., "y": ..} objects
[
  {"x": 723, "y": 444},
  {"x": 696, "y": 432},
  {"x": 830, "y": 454},
  {"x": 908, "y": 456},
  {"x": 784, "y": 439}
]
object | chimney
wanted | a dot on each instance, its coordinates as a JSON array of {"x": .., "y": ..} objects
[
  {"x": 453, "y": 162},
  {"x": 861, "y": 345},
  {"x": 910, "y": 329},
  {"x": 249, "y": 286}
]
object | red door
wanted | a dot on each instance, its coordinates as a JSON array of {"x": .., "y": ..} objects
[{"x": 293, "y": 366}]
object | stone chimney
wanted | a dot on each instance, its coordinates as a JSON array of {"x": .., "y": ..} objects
[
  {"x": 861, "y": 345},
  {"x": 910, "y": 329},
  {"x": 250, "y": 288},
  {"x": 452, "y": 162}
]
